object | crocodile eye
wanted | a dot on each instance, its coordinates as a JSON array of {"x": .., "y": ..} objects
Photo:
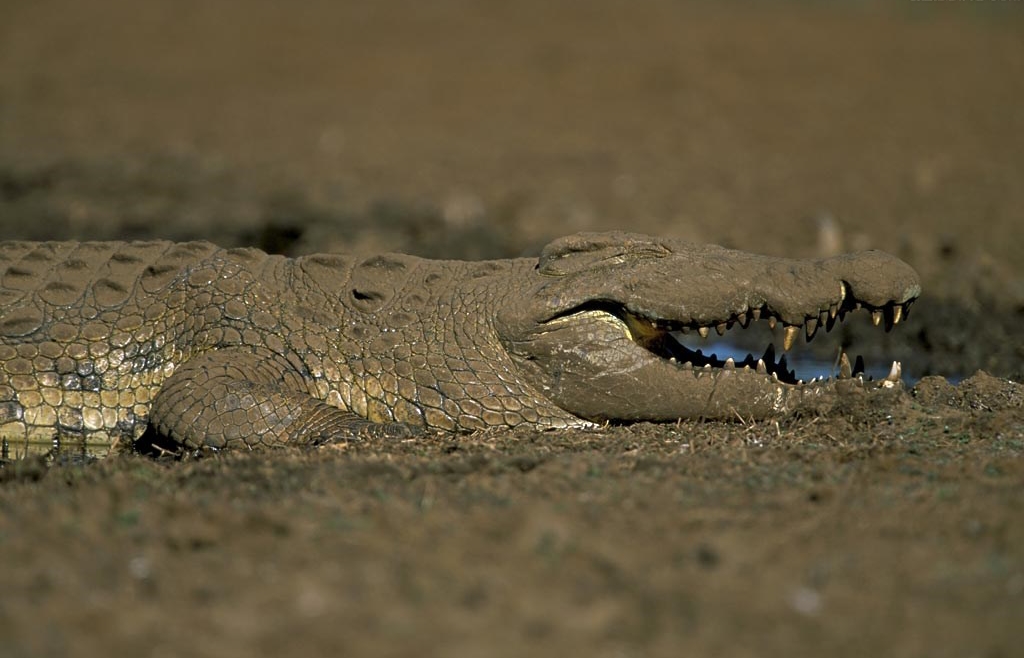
[{"x": 587, "y": 251}]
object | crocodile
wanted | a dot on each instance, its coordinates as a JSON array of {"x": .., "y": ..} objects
[{"x": 218, "y": 348}]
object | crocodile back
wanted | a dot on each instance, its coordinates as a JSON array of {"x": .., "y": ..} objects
[{"x": 37, "y": 279}]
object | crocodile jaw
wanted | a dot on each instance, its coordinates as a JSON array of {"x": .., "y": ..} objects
[{"x": 604, "y": 366}]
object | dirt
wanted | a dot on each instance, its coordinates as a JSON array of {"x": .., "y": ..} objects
[{"x": 889, "y": 524}]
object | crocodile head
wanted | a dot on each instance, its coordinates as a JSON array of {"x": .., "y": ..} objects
[{"x": 596, "y": 330}]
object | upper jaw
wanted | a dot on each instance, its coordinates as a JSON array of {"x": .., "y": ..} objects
[
  {"x": 652, "y": 327},
  {"x": 823, "y": 314},
  {"x": 705, "y": 286}
]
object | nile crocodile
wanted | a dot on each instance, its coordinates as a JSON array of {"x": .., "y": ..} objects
[{"x": 220, "y": 348}]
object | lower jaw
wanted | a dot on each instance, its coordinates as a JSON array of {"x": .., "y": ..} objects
[{"x": 733, "y": 394}]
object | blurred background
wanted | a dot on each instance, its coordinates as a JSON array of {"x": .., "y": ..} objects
[
  {"x": 477, "y": 129},
  {"x": 482, "y": 129}
]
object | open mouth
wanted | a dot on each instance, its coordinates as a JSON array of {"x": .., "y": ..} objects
[{"x": 664, "y": 338}]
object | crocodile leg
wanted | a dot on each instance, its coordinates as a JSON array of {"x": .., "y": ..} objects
[{"x": 232, "y": 398}]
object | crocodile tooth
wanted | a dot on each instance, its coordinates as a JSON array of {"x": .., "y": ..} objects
[
  {"x": 897, "y": 314},
  {"x": 755, "y": 313},
  {"x": 842, "y": 290},
  {"x": 830, "y": 322},
  {"x": 743, "y": 319},
  {"x": 775, "y": 376},
  {"x": 845, "y": 370},
  {"x": 703, "y": 331},
  {"x": 683, "y": 330},
  {"x": 720, "y": 328},
  {"x": 672, "y": 359},
  {"x": 790, "y": 337},
  {"x": 823, "y": 318},
  {"x": 730, "y": 364},
  {"x": 762, "y": 369},
  {"x": 811, "y": 326},
  {"x": 833, "y": 310},
  {"x": 876, "y": 317},
  {"x": 889, "y": 313},
  {"x": 893, "y": 377},
  {"x": 772, "y": 321}
]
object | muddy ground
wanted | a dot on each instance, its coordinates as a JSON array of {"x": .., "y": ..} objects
[{"x": 890, "y": 525}]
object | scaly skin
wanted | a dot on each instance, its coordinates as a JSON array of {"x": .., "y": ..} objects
[{"x": 233, "y": 348}]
